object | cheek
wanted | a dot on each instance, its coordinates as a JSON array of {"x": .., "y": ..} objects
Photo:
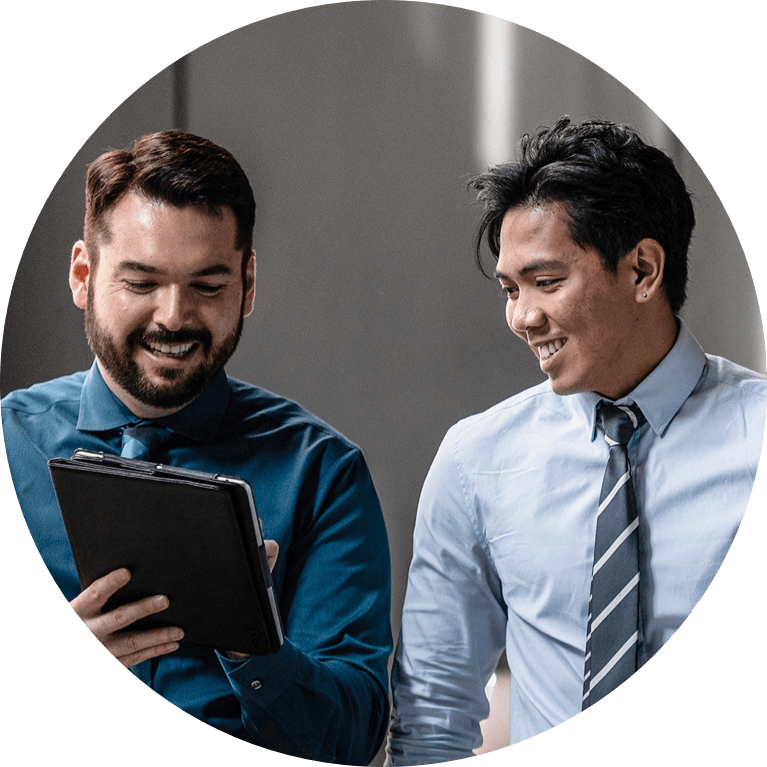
[
  {"x": 598, "y": 332},
  {"x": 562, "y": 317},
  {"x": 583, "y": 314},
  {"x": 121, "y": 316},
  {"x": 220, "y": 320},
  {"x": 128, "y": 314}
]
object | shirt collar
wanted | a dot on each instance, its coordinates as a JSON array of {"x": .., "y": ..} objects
[
  {"x": 101, "y": 410},
  {"x": 660, "y": 395}
]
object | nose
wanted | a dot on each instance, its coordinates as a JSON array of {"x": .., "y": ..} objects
[
  {"x": 172, "y": 309},
  {"x": 524, "y": 315}
]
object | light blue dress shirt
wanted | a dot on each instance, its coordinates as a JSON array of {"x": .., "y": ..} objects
[{"x": 504, "y": 541}]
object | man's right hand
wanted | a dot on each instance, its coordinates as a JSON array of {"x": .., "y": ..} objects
[{"x": 129, "y": 647}]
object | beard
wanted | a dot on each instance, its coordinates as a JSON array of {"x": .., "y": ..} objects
[{"x": 177, "y": 386}]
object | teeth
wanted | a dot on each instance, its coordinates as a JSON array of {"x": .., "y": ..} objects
[
  {"x": 175, "y": 349},
  {"x": 546, "y": 350}
]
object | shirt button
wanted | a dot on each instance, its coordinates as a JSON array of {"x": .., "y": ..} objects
[{"x": 256, "y": 684}]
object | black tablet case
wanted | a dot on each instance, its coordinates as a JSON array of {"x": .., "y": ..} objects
[{"x": 193, "y": 536}]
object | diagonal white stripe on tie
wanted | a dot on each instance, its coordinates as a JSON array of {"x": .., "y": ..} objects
[
  {"x": 618, "y": 485},
  {"x": 616, "y": 543},
  {"x": 619, "y": 597},
  {"x": 618, "y": 655}
]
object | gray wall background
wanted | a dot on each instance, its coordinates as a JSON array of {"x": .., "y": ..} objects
[{"x": 358, "y": 125}]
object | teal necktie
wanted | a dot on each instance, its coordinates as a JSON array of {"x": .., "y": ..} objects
[{"x": 141, "y": 440}]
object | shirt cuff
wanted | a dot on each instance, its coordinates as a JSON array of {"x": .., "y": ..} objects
[{"x": 266, "y": 676}]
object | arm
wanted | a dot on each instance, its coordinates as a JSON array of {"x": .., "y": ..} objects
[
  {"x": 324, "y": 694},
  {"x": 453, "y": 627}
]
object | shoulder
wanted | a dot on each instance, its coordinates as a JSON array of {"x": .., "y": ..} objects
[
  {"x": 41, "y": 397},
  {"x": 487, "y": 440},
  {"x": 36, "y": 418},
  {"x": 731, "y": 400},
  {"x": 258, "y": 412},
  {"x": 731, "y": 388},
  {"x": 730, "y": 379},
  {"x": 516, "y": 412}
]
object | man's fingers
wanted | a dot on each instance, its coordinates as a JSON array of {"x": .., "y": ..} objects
[
  {"x": 272, "y": 550},
  {"x": 130, "y": 647},
  {"x": 151, "y": 652},
  {"x": 89, "y": 603},
  {"x": 135, "y": 647},
  {"x": 121, "y": 617}
]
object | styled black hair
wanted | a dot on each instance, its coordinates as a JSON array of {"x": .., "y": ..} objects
[{"x": 616, "y": 189}]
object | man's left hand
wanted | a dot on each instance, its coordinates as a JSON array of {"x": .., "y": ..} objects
[{"x": 272, "y": 551}]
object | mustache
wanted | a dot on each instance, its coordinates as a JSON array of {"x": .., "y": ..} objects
[{"x": 161, "y": 336}]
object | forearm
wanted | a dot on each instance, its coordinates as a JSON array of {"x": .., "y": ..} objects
[
  {"x": 453, "y": 628},
  {"x": 324, "y": 694}
]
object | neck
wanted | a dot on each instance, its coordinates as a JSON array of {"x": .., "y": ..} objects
[{"x": 656, "y": 338}]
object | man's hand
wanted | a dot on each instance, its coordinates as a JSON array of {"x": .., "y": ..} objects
[
  {"x": 129, "y": 647},
  {"x": 272, "y": 550}
]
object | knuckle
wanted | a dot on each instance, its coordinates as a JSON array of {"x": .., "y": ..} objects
[
  {"x": 98, "y": 591},
  {"x": 133, "y": 645},
  {"x": 95, "y": 592},
  {"x": 120, "y": 616}
]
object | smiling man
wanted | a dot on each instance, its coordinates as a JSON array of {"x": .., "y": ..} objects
[
  {"x": 576, "y": 524},
  {"x": 166, "y": 274}
]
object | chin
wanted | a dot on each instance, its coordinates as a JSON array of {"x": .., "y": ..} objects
[{"x": 563, "y": 388}]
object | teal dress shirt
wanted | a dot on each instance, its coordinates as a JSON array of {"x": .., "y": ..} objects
[{"x": 324, "y": 694}]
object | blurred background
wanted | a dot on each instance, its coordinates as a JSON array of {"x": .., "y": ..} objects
[{"x": 359, "y": 125}]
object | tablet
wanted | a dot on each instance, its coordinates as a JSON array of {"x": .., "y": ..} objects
[{"x": 193, "y": 536}]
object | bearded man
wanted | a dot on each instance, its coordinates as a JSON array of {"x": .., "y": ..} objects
[{"x": 166, "y": 274}]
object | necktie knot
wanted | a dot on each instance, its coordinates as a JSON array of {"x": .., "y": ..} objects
[
  {"x": 619, "y": 422},
  {"x": 140, "y": 440}
]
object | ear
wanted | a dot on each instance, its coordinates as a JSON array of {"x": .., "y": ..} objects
[
  {"x": 79, "y": 274},
  {"x": 647, "y": 261},
  {"x": 250, "y": 285}
]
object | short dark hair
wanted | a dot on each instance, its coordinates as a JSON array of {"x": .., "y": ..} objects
[
  {"x": 173, "y": 167},
  {"x": 616, "y": 189}
]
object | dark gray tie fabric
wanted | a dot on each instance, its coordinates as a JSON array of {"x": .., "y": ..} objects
[
  {"x": 140, "y": 440},
  {"x": 613, "y": 623}
]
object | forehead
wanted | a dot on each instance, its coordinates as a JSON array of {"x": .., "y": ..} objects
[
  {"x": 539, "y": 236},
  {"x": 166, "y": 236}
]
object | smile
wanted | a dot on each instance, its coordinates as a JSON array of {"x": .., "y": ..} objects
[
  {"x": 170, "y": 350},
  {"x": 545, "y": 351}
]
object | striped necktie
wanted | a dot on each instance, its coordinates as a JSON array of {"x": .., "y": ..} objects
[
  {"x": 140, "y": 440},
  {"x": 613, "y": 623}
]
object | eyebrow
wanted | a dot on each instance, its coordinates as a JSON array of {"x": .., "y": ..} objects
[
  {"x": 138, "y": 266},
  {"x": 534, "y": 266}
]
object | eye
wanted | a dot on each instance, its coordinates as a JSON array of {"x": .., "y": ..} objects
[
  {"x": 140, "y": 287},
  {"x": 208, "y": 289},
  {"x": 510, "y": 292},
  {"x": 547, "y": 283}
]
